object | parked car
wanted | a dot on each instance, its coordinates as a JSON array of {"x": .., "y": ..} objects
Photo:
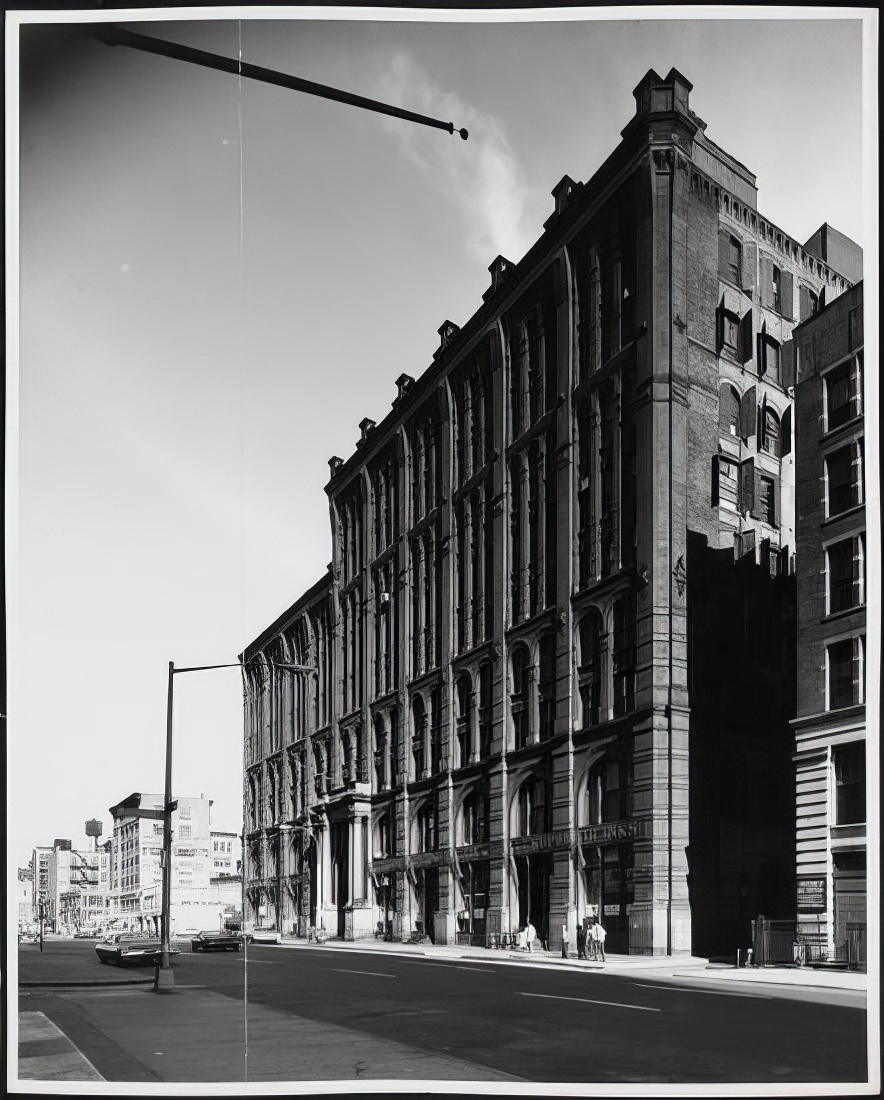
[
  {"x": 216, "y": 941},
  {"x": 131, "y": 950},
  {"x": 87, "y": 934}
]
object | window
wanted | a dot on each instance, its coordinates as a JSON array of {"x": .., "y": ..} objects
[
  {"x": 844, "y": 673},
  {"x": 776, "y": 287},
  {"x": 844, "y": 479},
  {"x": 519, "y": 699},
  {"x": 609, "y": 791},
  {"x": 486, "y": 725},
  {"x": 624, "y": 655},
  {"x": 845, "y": 571},
  {"x": 426, "y": 829},
  {"x": 850, "y": 783},
  {"x": 842, "y": 390},
  {"x": 547, "y": 686},
  {"x": 770, "y": 432},
  {"x": 419, "y": 747},
  {"x": 475, "y": 818},
  {"x": 384, "y": 837},
  {"x": 464, "y": 720},
  {"x": 769, "y": 358},
  {"x": 184, "y": 832},
  {"x": 728, "y": 411},
  {"x": 766, "y": 503},
  {"x": 730, "y": 258},
  {"x": 730, "y": 331},
  {"x": 532, "y": 808},
  {"x": 809, "y": 302},
  {"x": 589, "y": 677}
]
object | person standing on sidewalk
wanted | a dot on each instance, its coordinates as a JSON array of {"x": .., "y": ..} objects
[
  {"x": 598, "y": 934},
  {"x": 581, "y": 940},
  {"x": 530, "y": 936}
]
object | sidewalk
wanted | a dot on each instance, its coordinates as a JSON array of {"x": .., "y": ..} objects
[{"x": 656, "y": 965}]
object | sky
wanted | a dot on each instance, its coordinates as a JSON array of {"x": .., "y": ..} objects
[{"x": 218, "y": 279}]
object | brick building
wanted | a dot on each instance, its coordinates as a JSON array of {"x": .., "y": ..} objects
[
  {"x": 501, "y": 702},
  {"x": 830, "y": 728}
]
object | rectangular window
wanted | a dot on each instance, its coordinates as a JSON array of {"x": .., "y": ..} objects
[
  {"x": 766, "y": 502},
  {"x": 843, "y": 479},
  {"x": 734, "y": 260},
  {"x": 728, "y": 483},
  {"x": 730, "y": 331},
  {"x": 184, "y": 832},
  {"x": 844, "y": 673},
  {"x": 842, "y": 389},
  {"x": 850, "y": 783},
  {"x": 845, "y": 571},
  {"x": 768, "y": 358},
  {"x": 776, "y": 286}
]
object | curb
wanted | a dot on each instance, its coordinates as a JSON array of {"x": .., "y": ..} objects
[{"x": 84, "y": 984}]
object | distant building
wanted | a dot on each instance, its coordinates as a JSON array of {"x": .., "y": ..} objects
[
  {"x": 551, "y": 667},
  {"x": 136, "y": 877},
  {"x": 830, "y": 728},
  {"x": 41, "y": 864},
  {"x": 226, "y": 854},
  {"x": 24, "y": 896},
  {"x": 77, "y": 887}
]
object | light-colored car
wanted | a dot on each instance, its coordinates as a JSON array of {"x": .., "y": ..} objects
[{"x": 126, "y": 949}]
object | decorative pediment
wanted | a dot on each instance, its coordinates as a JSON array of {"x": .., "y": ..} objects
[
  {"x": 499, "y": 268},
  {"x": 447, "y": 333}
]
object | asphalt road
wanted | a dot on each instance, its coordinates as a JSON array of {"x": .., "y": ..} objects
[{"x": 461, "y": 1017}]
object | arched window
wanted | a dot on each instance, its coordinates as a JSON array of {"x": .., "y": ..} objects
[
  {"x": 475, "y": 818},
  {"x": 547, "y": 686},
  {"x": 520, "y": 695},
  {"x": 385, "y": 837},
  {"x": 464, "y": 720},
  {"x": 609, "y": 791},
  {"x": 486, "y": 719},
  {"x": 728, "y": 410},
  {"x": 380, "y": 752},
  {"x": 532, "y": 807},
  {"x": 426, "y": 829},
  {"x": 589, "y": 667},
  {"x": 419, "y": 737},
  {"x": 624, "y": 654}
]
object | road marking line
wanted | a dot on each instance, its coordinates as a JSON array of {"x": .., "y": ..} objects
[
  {"x": 711, "y": 992},
  {"x": 452, "y": 966},
  {"x": 371, "y": 973},
  {"x": 587, "y": 1001}
]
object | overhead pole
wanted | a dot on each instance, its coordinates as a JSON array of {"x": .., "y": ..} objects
[{"x": 113, "y": 35}]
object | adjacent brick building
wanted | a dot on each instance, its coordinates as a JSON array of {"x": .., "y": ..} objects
[
  {"x": 508, "y": 699},
  {"x": 830, "y": 728}
]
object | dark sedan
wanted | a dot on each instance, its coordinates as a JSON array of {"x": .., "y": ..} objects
[
  {"x": 130, "y": 950},
  {"x": 216, "y": 941}
]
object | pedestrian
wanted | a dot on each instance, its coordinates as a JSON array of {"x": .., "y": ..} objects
[
  {"x": 530, "y": 935},
  {"x": 598, "y": 934},
  {"x": 581, "y": 941}
]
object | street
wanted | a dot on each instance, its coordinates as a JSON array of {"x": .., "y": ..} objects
[{"x": 322, "y": 1014}]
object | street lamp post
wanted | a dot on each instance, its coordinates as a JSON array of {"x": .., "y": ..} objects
[{"x": 165, "y": 978}]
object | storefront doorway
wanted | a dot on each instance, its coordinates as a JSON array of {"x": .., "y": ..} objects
[
  {"x": 534, "y": 874},
  {"x": 340, "y": 873},
  {"x": 610, "y": 891},
  {"x": 850, "y": 908}
]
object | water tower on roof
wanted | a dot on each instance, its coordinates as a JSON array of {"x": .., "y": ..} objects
[{"x": 93, "y": 831}]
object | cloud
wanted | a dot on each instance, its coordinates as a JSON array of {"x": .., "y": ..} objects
[{"x": 482, "y": 176}]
